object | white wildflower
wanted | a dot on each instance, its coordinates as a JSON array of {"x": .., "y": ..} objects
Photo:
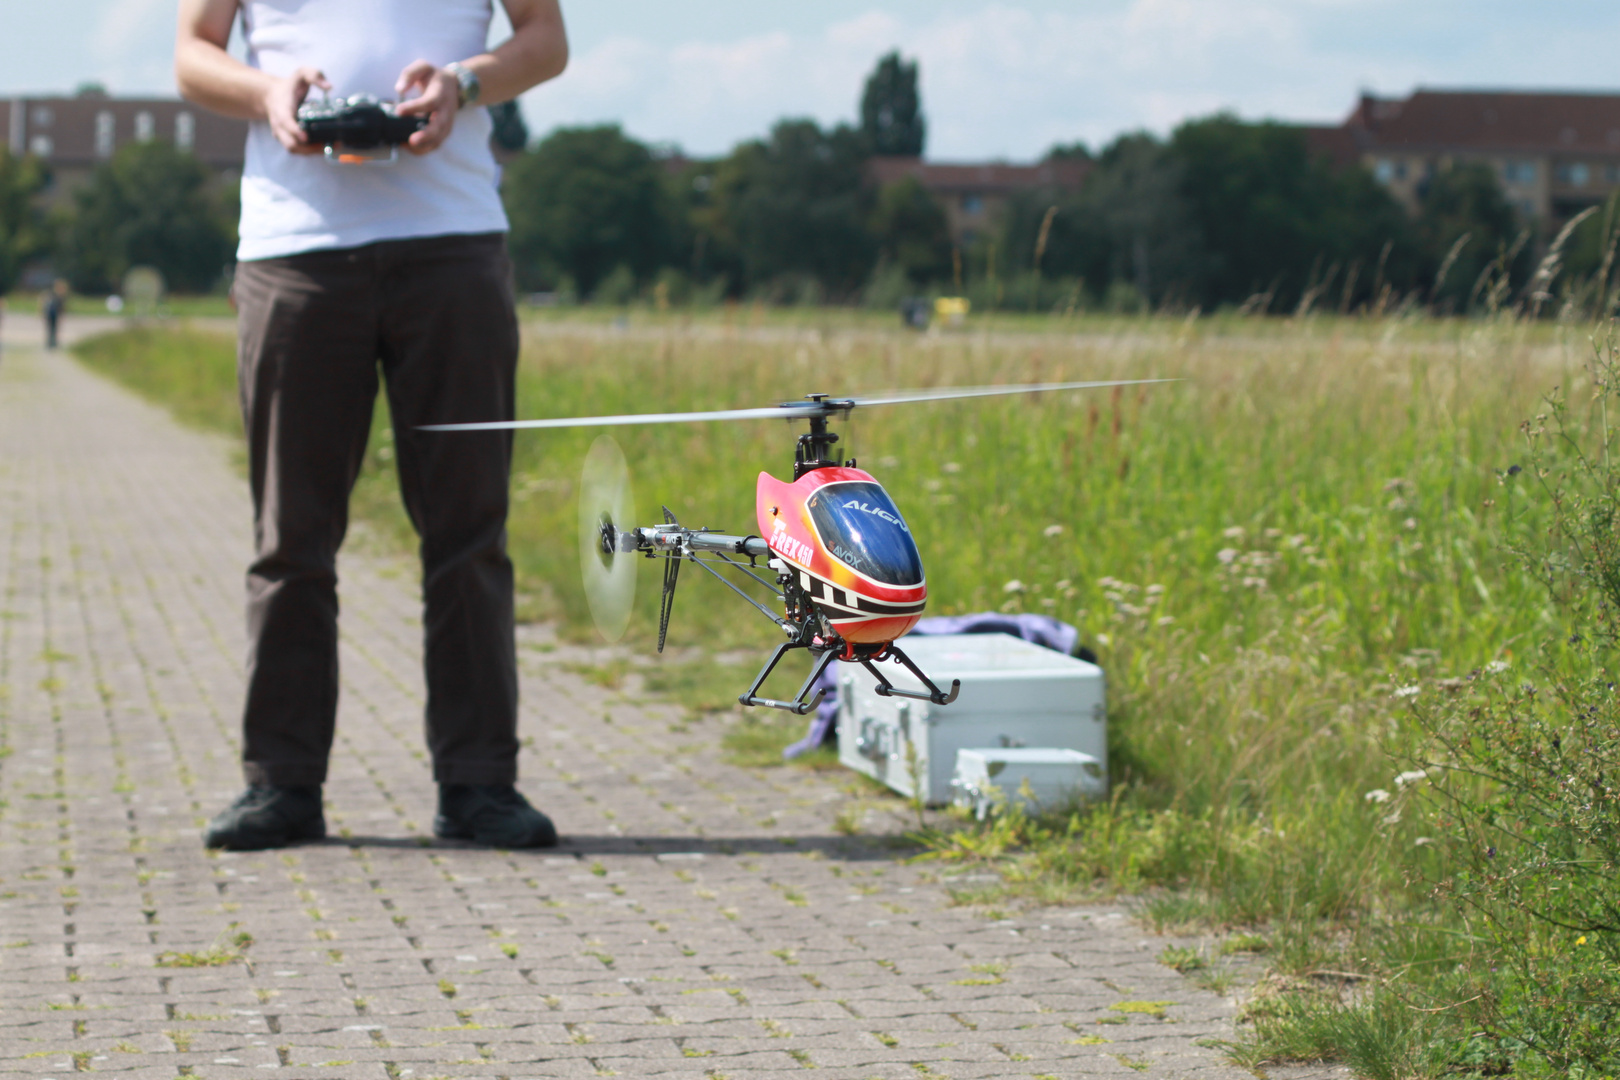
[
  {"x": 952, "y": 467},
  {"x": 1236, "y": 532},
  {"x": 1411, "y": 777},
  {"x": 1104, "y": 640},
  {"x": 1256, "y": 583},
  {"x": 1164, "y": 620},
  {"x": 1496, "y": 667},
  {"x": 1423, "y": 841},
  {"x": 1053, "y": 530},
  {"x": 1226, "y": 555},
  {"x": 1377, "y": 795},
  {"x": 1155, "y": 590},
  {"x": 1410, "y": 523},
  {"x": 1014, "y": 586},
  {"x": 1408, "y": 691}
]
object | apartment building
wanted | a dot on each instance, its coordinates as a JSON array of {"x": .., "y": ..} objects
[
  {"x": 75, "y": 134},
  {"x": 975, "y": 196},
  {"x": 1555, "y": 153}
]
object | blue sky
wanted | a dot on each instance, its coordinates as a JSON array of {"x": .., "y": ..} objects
[{"x": 1002, "y": 79}]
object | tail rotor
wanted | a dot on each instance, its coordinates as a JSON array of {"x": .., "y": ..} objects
[{"x": 606, "y": 506}]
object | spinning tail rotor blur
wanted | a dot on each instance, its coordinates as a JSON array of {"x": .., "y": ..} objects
[{"x": 606, "y": 508}]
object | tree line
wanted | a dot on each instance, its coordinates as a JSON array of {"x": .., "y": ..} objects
[
  {"x": 1223, "y": 212},
  {"x": 150, "y": 204}
]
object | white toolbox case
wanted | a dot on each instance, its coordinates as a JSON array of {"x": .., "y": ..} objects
[
  {"x": 988, "y": 778},
  {"x": 1014, "y": 694}
]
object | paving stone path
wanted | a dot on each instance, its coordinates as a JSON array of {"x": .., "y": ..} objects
[{"x": 700, "y": 920}]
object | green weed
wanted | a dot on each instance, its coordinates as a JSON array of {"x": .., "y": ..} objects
[
  {"x": 1183, "y": 960},
  {"x": 231, "y": 950},
  {"x": 1217, "y": 980},
  {"x": 1243, "y": 943},
  {"x": 988, "y": 974}
]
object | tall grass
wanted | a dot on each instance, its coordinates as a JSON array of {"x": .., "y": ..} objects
[
  {"x": 191, "y": 372},
  {"x": 1263, "y": 554}
]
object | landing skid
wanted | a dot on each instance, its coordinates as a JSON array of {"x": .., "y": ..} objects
[
  {"x": 885, "y": 688},
  {"x": 800, "y": 706}
]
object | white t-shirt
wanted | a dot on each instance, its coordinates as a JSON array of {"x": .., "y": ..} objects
[{"x": 293, "y": 203}]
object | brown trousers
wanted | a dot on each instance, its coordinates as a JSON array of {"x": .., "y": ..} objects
[{"x": 435, "y": 317}]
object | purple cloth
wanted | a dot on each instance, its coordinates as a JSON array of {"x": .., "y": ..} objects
[{"x": 1041, "y": 630}]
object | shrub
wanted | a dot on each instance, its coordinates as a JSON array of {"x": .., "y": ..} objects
[
  {"x": 150, "y": 205},
  {"x": 1521, "y": 771}
]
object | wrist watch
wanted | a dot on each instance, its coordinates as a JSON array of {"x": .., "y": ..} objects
[{"x": 467, "y": 86}]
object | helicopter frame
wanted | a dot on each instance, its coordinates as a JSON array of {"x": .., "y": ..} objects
[{"x": 804, "y": 626}]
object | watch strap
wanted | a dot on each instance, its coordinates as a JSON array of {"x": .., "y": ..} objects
[{"x": 467, "y": 85}]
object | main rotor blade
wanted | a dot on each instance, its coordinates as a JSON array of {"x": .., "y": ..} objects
[
  {"x": 902, "y": 397},
  {"x": 775, "y": 412},
  {"x": 793, "y": 410}
]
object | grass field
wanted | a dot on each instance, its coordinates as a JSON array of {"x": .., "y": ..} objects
[{"x": 1267, "y": 556}]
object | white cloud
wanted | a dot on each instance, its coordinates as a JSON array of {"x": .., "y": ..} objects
[
  {"x": 131, "y": 43},
  {"x": 1011, "y": 77},
  {"x": 1000, "y": 80},
  {"x": 1000, "y": 77},
  {"x": 875, "y": 30},
  {"x": 124, "y": 21}
]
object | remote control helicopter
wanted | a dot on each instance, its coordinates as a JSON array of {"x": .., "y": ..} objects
[{"x": 842, "y": 564}]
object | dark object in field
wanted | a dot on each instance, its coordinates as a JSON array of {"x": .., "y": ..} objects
[
  {"x": 916, "y": 312},
  {"x": 360, "y": 122}
]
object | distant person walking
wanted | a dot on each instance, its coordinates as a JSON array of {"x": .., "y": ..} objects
[{"x": 55, "y": 301}]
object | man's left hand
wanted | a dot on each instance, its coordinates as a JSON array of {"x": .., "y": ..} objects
[{"x": 439, "y": 99}]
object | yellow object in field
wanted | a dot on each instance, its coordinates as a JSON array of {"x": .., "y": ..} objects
[{"x": 951, "y": 310}]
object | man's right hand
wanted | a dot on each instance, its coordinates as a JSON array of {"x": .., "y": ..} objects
[
  {"x": 281, "y": 101},
  {"x": 211, "y": 77}
]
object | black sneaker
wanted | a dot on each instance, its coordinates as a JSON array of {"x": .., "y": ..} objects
[
  {"x": 268, "y": 816},
  {"x": 496, "y": 815}
]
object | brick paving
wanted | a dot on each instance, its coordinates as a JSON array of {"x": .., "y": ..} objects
[{"x": 700, "y": 920}]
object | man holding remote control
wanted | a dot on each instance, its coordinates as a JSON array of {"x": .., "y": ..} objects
[{"x": 345, "y": 272}]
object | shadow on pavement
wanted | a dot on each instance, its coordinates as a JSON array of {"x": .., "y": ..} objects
[{"x": 669, "y": 848}]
